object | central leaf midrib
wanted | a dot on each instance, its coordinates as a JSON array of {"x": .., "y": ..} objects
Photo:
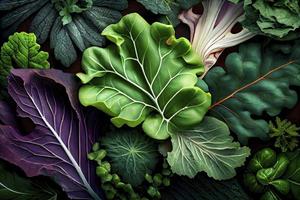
[
  {"x": 66, "y": 150},
  {"x": 246, "y": 86}
]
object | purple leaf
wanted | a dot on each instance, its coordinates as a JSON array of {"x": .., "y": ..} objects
[
  {"x": 7, "y": 114},
  {"x": 59, "y": 144}
]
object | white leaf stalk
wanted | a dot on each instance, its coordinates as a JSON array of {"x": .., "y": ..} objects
[{"x": 211, "y": 32}]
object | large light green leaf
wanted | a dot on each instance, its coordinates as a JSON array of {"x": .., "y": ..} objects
[
  {"x": 254, "y": 82},
  {"x": 15, "y": 187},
  {"x": 209, "y": 148},
  {"x": 21, "y": 51},
  {"x": 147, "y": 76}
]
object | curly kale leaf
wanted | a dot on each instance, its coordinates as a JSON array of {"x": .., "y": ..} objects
[{"x": 21, "y": 51}]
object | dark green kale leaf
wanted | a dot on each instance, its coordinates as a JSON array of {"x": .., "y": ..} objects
[
  {"x": 202, "y": 188},
  {"x": 169, "y": 9},
  {"x": 70, "y": 24}
]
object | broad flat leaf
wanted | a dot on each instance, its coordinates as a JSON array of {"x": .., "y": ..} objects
[
  {"x": 157, "y": 6},
  {"x": 209, "y": 148},
  {"x": 63, "y": 133},
  {"x": 144, "y": 77},
  {"x": 132, "y": 154},
  {"x": 15, "y": 187},
  {"x": 252, "y": 83},
  {"x": 204, "y": 188},
  {"x": 21, "y": 51}
]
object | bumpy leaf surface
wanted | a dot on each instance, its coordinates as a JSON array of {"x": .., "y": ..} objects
[
  {"x": 209, "y": 148},
  {"x": 146, "y": 75},
  {"x": 254, "y": 82},
  {"x": 21, "y": 51},
  {"x": 132, "y": 155},
  {"x": 63, "y": 133}
]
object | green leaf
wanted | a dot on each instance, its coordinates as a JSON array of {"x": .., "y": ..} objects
[
  {"x": 15, "y": 187},
  {"x": 277, "y": 19},
  {"x": 264, "y": 158},
  {"x": 42, "y": 23},
  {"x": 21, "y": 51},
  {"x": 285, "y": 133},
  {"x": 60, "y": 40},
  {"x": 204, "y": 188},
  {"x": 293, "y": 173},
  {"x": 69, "y": 24},
  {"x": 254, "y": 82},
  {"x": 132, "y": 154},
  {"x": 209, "y": 148},
  {"x": 9, "y": 4},
  {"x": 157, "y": 7},
  {"x": 175, "y": 7},
  {"x": 144, "y": 77}
]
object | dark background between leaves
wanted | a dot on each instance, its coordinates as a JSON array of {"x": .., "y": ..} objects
[{"x": 181, "y": 31}]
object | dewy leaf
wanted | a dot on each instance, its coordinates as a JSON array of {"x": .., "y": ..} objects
[
  {"x": 63, "y": 133},
  {"x": 209, "y": 148},
  {"x": 15, "y": 187},
  {"x": 21, "y": 51},
  {"x": 211, "y": 32},
  {"x": 202, "y": 187},
  {"x": 144, "y": 77},
  {"x": 78, "y": 26},
  {"x": 254, "y": 82},
  {"x": 132, "y": 154}
]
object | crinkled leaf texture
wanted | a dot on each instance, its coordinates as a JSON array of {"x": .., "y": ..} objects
[
  {"x": 209, "y": 148},
  {"x": 63, "y": 133},
  {"x": 15, "y": 187},
  {"x": 21, "y": 51},
  {"x": 132, "y": 154},
  {"x": 147, "y": 76},
  {"x": 254, "y": 82},
  {"x": 202, "y": 187},
  {"x": 278, "y": 19},
  {"x": 81, "y": 31},
  {"x": 211, "y": 32}
]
